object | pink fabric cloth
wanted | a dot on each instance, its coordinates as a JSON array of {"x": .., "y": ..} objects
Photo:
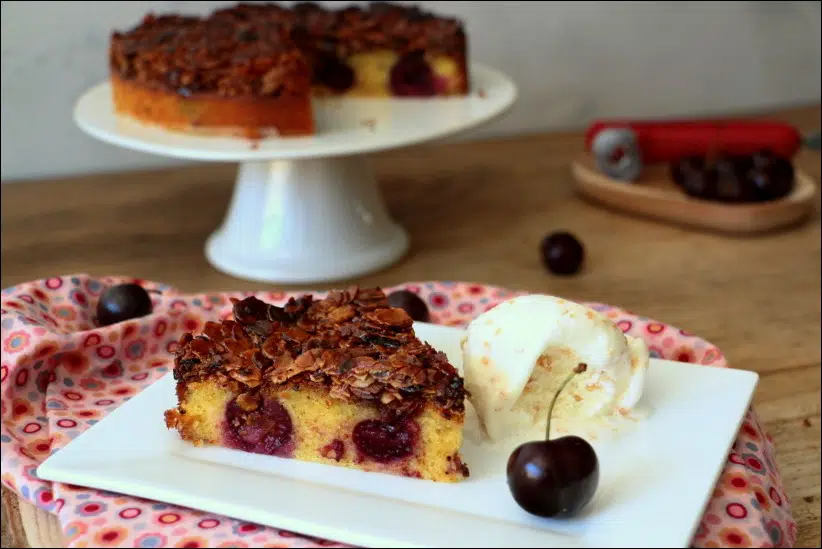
[{"x": 61, "y": 374}]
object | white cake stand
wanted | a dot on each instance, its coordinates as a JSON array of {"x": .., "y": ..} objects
[{"x": 308, "y": 209}]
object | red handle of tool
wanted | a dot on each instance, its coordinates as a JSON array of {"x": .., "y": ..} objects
[{"x": 667, "y": 141}]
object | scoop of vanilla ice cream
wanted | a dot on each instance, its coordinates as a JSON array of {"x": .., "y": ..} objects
[{"x": 516, "y": 355}]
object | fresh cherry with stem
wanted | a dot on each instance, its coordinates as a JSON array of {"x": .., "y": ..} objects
[{"x": 554, "y": 478}]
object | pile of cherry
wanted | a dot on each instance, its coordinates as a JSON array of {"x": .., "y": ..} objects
[{"x": 759, "y": 177}]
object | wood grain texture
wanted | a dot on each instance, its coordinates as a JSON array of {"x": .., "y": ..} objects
[{"x": 477, "y": 212}]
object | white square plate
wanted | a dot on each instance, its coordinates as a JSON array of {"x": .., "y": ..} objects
[{"x": 655, "y": 479}]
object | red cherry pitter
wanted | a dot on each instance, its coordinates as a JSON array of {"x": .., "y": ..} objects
[
  {"x": 630, "y": 165},
  {"x": 622, "y": 148}
]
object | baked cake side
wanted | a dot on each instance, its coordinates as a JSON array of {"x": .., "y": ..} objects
[
  {"x": 212, "y": 75},
  {"x": 341, "y": 381}
]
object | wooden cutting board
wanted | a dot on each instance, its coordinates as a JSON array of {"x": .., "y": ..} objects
[{"x": 656, "y": 196}]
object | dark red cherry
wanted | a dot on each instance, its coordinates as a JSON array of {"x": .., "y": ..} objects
[
  {"x": 732, "y": 184},
  {"x": 771, "y": 176},
  {"x": 700, "y": 184},
  {"x": 411, "y": 76},
  {"x": 551, "y": 478},
  {"x": 562, "y": 253},
  {"x": 333, "y": 73},
  {"x": 123, "y": 302},
  {"x": 695, "y": 177},
  {"x": 411, "y": 303},
  {"x": 385, "y": 441},
  {"x": 265, "y": 430},
  {"x": 686, "y": 168},
  {"x": 554, "y": 478}
]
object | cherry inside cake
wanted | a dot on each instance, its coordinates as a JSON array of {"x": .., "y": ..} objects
[{"x": 341, "y": 380}]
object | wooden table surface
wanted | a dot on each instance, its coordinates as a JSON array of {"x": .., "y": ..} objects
[{"x": 477, "y": 212}]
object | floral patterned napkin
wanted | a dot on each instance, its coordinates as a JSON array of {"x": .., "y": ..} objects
[{"x": 61, "y": 374}]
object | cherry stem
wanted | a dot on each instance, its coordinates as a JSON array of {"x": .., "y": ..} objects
[{"x": 581, "y": 367}]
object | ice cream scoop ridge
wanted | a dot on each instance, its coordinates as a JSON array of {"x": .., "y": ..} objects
[{"x": 516, "y": 355}]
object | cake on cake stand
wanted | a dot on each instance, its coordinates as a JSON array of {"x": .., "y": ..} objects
[{"x": 308, "y": 209}]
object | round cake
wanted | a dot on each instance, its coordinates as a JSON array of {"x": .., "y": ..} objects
[{"x": 252, "y": 69}]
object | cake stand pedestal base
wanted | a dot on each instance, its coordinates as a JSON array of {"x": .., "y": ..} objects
[
  {"x": 307, "y": 210},
  {"x": 306, "y": 221}
]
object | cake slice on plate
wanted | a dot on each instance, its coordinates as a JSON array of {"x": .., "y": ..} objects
[{"x": 342, "y": 381}]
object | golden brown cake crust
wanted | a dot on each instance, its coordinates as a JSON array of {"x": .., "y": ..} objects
[
  {"x": 352, "y": 343},
  {"x": 212, "y": 114}
]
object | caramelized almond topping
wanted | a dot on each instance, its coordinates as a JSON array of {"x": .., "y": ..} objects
[
  {"x": 266, "y": 50},
  {"x": 351, "y": 341}
]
